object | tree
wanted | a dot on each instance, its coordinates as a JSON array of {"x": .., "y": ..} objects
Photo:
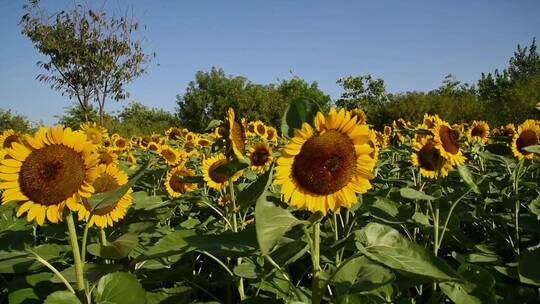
[
  {"x": 76, "y": 115},
  {"x": 15, "y": 122},
  {"x": 361, "y": 92},
  {"x": 211, "y": 93},
  {"x": 90, "y": 56},
  {"x": 137, "y": 119}
]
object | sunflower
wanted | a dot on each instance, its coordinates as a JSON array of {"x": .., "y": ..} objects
[
  {"x": 382, "y": 139},
  {"x": 94, "y": 132},
  {"x": 373, "y": 143},
  {"x": 260, "y": 156},
  {"x": 51, "y": 171},
  {"x": 8, "y": 137},
  {"x": 260, "y": 128},
  {"x": 132, "y": 160},
  {"x": 175, "y": 184},
  {"x": 250, "y": 129},
  {"x": 135, "y": 140},
  {"x": 214, "y": 179},
  {"x": 509, "y": 130},
  {"x": 236, "y": 135},
  {"x": 397, "y": 126},
  {"x": 447, "y": 140},
  {"x": 190, "y": 148},
  {"x": 479, "y": 131},
  {"x": 528, "y": 134},
  {"x": 429, "y": 121},
  {"x": 154, "y": 147},
  {"x": 361, "y": 117},
  {"x": 121, "y": 144},
  {"x": 428, "y": 157},
  {"x": 191, "y": 137},
  {"x": 144, "y": 142},
  {"x": 172, "y": 156},
  {"x": 203, "y": 142},
  {"x": 271, "y": 134},
  {"x": 218, "y": 132},
  {"x": 107, "y": 156},
  {"x": 173, "y": 133},
  {"x": 156, "y": 138},
  {"x": 109, "y": 177},
  {"x": 325, "y": 168}
]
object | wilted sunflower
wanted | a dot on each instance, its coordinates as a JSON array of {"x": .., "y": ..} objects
[
  {"x": 94, "y": 132},
  {"x": 236, "y": 136},
  {"x": 478, "y": 131},
  {"x": 172, "y": 156},
  {"x": 109, "y": 177},
  {"x": 447, "y": 141},
  {"x": 215, "y": 179},
  {"x": 528, "y": 134},
  {"x": 324, "y": 169},
  {"x": 8, "y": 137},
  {"x": 50, "y": 172},
  {"x": 175, "y": 184},
  {"x": 361, "y": 117},
  {"x": 173, "y": 133},
  {"x": 260, "y": 156},
  {"x": 428, "y": 157},
  {"x": 260, "y": 128},
  {"x": 107, "y": 156}
]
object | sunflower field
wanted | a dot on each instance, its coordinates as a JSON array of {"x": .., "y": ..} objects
[{"x": 324, "y": 210}]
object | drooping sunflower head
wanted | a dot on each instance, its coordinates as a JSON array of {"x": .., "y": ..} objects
[
  {"x": 428, "y": 157},
  {"x": 236, "y": 136},
  {"x": 260, "y": 156},
  {"x": 173, "y": 133},
  {"x": 324, "y": 168},
  {"x": 52, "y": 170},
  {"x": 94, "y": 132},
  {"x": 528, "y": 134},
  {"x": 176, "y": 184},
  {"x": 107, "y": 156},
  {"x": 447, "y": 141},
  {"x": 211, "y": 174},
  {"x": 361, "y": 117},
  {"x": 260, "y": 128},
  {"x": 478, "y": 131},
  {"x": 109, "y": 177},
  {"x": 172, "y": 156},
  {"x": 8, "y": 137}
]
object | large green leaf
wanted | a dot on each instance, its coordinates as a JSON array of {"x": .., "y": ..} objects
[
  {"x": 62, "y": 297},
  {"x": 231, "y": 167},
  {"x": 33, "y": 288},
  {"x": 271, "y": 221},
  {"x": 92, "y": 272},
  {"x": 467, "y": 177},
  {"x": 361, "y": 273},
  {"x": 388, "y": 247},
  {"x": 534, "y": 206},
  {"x": 300, "y": 110},
  {"x": 117, "y": 249},
  {"x": 173, "y": 243},
  {"x": 477, "y": 289},
  {"x": 23, "y": 262},
  {"x": 249, "y": 195},
  {"x": 228, "y": 243},
  {"x": 119, "y": 288},
  {"x": 415, "y": 194},
  {"x": 529, "y": 266}
]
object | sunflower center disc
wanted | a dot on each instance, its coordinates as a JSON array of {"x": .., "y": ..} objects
[
  {"x": 217, "y": 177},
  {"x": 526, "y": 138},
  {"x": 169, "y": 155},
  {"x": 259, "y": 157},
  {"x": 177, "y": 183},
  {"x": 237, "y": 136},
  {"x": 51, "y": 174},
  {"x": 326, "y": 163},
  {"x": 430, "y": 158},
  {"x": 478, "y": 131},
  {"x": 449, "y": 139}
]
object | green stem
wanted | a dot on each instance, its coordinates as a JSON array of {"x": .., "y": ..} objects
[
  {"x": 447, "y": 220},
  {"x": 436, "y": 239},
  {"x": 102, "y": 237},
  {"x": 516, "y": 215},
  {"x": 84, "y": 240},
  {"x": 316, "y": 292},
  {"x": 235, "y": 229},
  {"x": 76, "y": 252},
  {"x": 219, "y": 262},
  {"x": 336, "y": 237},
  {"x": 284, "y": 274},
  {"x": 54, "y": 270}
]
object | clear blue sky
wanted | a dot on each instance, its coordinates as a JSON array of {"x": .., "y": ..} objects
[{"x": 412, "y": 45}]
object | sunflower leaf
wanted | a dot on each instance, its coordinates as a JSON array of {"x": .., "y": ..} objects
[
  {"x": 415, "y": 194},
  {"x": 230, "y": 168},
  {"x": 106, "y": 199},
  {"x": 533, "y": 149},
  {"x": 300, "y": 110},
  {"x": 467, "y": 177},
  {"x": 121, "y": 288}
]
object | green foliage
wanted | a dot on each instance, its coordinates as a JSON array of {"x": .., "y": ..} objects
[
  {"x": 91, "y": 56},
  {"x": 9, "y": 120},
  {"x": 211, "y": 93}
]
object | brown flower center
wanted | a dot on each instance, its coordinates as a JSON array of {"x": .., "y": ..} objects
[
  {"x": 175, "y": 134},
  {"x": 478, "y": 131},
  {"x": 261, "y": 129},
  {"x": 121, "y": 143},
  {"x": 260, "y": 156},
  {"x": 169, "y": 156},
  {"x": 102, "y": 184},
  {"x": 326, "y": 163},
  {"x": 449, "y": 139},
  {"x": 217, "y": 177},
  {"x": 237, "y": 136},
  {"x": 525, "y": 139},
  {"x": 430, "y": 158},
  {"x": 51, "y": 174},
  {"x": 177, "y": 182}
]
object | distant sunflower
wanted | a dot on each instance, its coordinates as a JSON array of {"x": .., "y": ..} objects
[
  {"x": 271, "y": 134},
  {"x": 215, "y": 179},
  {"x": 509, "y": 130},
  {"x": 94, "y": 132},
  {"x": 50, "y": 172},
  {"x": 478, "y": 131},
  {"x": 260, "y": 156},
  {"x": 204, "y": 142},
  {"x": 107, "y": 156},
  {"x": 132, "y": 160},
  {"x": 250, "y": 129},
  {"x": 134, "y": 140},
  {"x": 374, "y": 144},
  {"x": 121, "y": 144},
  {"x": 219, "y": 132},
  {"x": 236, "y": 136},
  {"x": 190, "y": 148},
  {"x": 174, "y": 133},
  {"x": 144, "y": 142},
  {"x": 447, "y": 140},
  {"x": 156, "y": 138},
  {"x": 8, "y": 137},
  {"x": 361, "y": 117},
  {"x": 154, "y": 147},
  {"x": 175, "y": 184},
  {"x": 260, "y": 128},
  {"x": 430, "y": 120},
  {"x": 324, "y": 168},
  {"x": 382, "y": 140},
  {"x": 397, "y": 127},
  {"x": 172, "y": 156},
  {"x": 428, "y": 157},
  {"x": 191, "y": 137},
  {"x": 109, "y": 177},
  {"x": 528, "y": 134},
  {"x": 387, "y": 131}
]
